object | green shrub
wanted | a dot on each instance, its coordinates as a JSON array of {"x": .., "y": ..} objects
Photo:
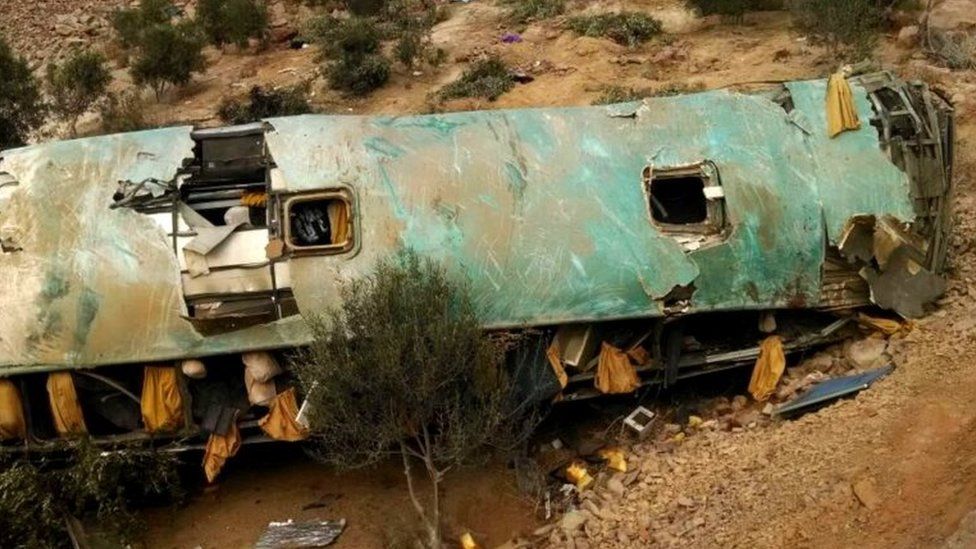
[
  {"x": 359, "y": 75},
  {"x": 620, "y": 94},
  {"x": 411, "y": 22},
  {"x": 627, "y": 28},
  {"x": 21, "y": 107},
  {"x": 850, "y": 25},
  {"x": 129, "y": 24},
  {"x": 36, "y": 500},
  {"x": 352, "y": 48},
  {"x": 525, "y": 11},
  {"x": 77, "y": 84},
  {"x": 232, "y": 21},
  {"x": 168, "y": 54},
  {"x": 733, "y": 9},
  {"x": 488, "y": 78},
  {"x": 125, "y": 112},
  {"x": 261, "y": 103}
]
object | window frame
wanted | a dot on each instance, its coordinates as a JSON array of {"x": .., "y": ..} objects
[
  {"x": 339, "y": 193},
  {"x": 715, "y": 218}
]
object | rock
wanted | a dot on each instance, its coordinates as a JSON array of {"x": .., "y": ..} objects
[
  {"x": 573, "y": 521},
  {"x": 739, "y": 402},
  {"x": 745, "y": 418},
  {"x": 908, "y": 37},
  {"x": 685, "y": 501},
  {"x": 867, "y": 493},
  {"x": 867, "y": 353},
  {"x": 615, "y": 486}
]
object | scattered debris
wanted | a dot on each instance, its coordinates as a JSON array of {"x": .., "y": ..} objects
[
  {"x": 577, "y": 474},
  {"x": 291, "y": 534},
  {"x": 511, "y": 38},
  {"x": 833, "y": 389},
  {"x": 639, "y": 420}
]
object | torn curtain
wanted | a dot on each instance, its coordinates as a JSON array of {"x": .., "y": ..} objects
[
  {"x": 65, "y": 409},
  {"x": 162, "y": 402},
  {"x": 281, "y": 422},
  {"x": 12, "y": 424}
]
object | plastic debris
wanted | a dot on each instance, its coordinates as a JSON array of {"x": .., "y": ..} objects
[
  {"x": 615, "y": 458},
  {"x": 577, "y": 474}
]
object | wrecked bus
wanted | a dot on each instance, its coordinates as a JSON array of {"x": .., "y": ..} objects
[{"x": 176, "y": 264}]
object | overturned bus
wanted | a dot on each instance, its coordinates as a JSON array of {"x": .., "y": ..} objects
[{"x": 175, "y": 265}]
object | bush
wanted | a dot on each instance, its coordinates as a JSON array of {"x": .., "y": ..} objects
[
  {"x": 263, "y": 103},
  {"x": 129, "y": 24},
  {"x": 233, "y": 21},
  {"x": 21, "y": 107},
  {"x": 488, "y": 78},
  {"x": 851, "y": 25},
  {"x": 35, "y": 501},
  {"x": 356, "y": 64},
  {"x": 125, "y": 112},
  {"x": 619, "y": 94},
  {"x": 359, "y": 75},
  {"x": 626, "y": 28},
  {"x": 732, "y": 9},
  {"x": 525, "y": 11},
  {"x": 169, "y": 54},
  {"x": 412, "y": 22},
  {"x": 77, "y": 84},
  {"x": 405, "y": 366}
]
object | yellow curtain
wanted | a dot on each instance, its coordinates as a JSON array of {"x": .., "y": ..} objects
[
  {"x": 68, "y": 418},
  {"x": 162, "y": 403},
  {"x": 338, "y": 212},
  {"x": 280, "y": 423},
  {"x": 614, "y": 373},
  {"x": 552, "y": 353},
  {"x": 254, "y": 199},
  {"x": 768, "y": 369},
  {"x": 220, "y": 448},
  {"x": 884, "y": 325},
  {"x": 12, "y": 424},
  {"x": 841, "y": 112}
]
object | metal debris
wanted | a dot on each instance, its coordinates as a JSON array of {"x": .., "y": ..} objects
[
  {"x": 291, "y": 534},
  {"x": 832, "y": 389}
]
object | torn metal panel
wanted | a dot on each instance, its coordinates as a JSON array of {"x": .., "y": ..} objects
[
  {"x": 905, "y": 286},
  {"x": 855, "y": 177},
  {"x": 91, "y": 284}
]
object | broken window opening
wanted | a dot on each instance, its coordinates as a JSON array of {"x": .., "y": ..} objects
[
  {"x": 320, "y": 223},
  {"x": 686, "y": 200},
  {"x": 679, "y": 200}
]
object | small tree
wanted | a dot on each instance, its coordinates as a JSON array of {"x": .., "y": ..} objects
[
  {"x": 487, "y": 78},
  {"x": 404, "y": 368},
  {"x": 129, "y": 24},
  {"x": 77, "y": 84},
  {"x": 169, "y": 54},
  {"x": 21, "y": 106},
  {"x": 232, "y": 21}
]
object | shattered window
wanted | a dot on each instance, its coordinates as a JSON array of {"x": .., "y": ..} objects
[
  {"x": 321, "y": 222},
  {"x": 686, "y": 199}
]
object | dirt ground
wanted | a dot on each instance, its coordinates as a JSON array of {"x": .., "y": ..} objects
[{"x": 893, "y": 467}]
